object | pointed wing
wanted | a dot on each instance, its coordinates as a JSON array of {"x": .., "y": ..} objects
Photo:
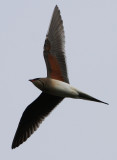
[
  {"x": 54, "y": 52},
  {"x": 33, "y": 115}
]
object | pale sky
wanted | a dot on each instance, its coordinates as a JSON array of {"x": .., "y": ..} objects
[{"x": 76, "y": 129}]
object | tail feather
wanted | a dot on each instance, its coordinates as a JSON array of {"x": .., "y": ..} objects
[{"x": 90, "y": 98}]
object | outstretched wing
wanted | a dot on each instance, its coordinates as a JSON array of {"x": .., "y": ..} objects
[
  {"x": 33, "y": 116},
  {"x": 54, "y": 52}
]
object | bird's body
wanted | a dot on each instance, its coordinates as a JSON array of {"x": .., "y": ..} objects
[
  {"x": 55, "y": 87},
  {"x": 62, "y": 89}
]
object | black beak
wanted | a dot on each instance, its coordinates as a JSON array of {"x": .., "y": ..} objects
[
  {"x": 90, "y": 98},
  {"x": 30, "y": 80}
]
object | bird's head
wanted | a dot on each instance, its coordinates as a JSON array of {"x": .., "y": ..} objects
[{"x": 38, "y": 82}]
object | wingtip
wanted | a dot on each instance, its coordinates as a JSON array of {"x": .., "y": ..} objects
[
  {"x": 14, "y": 145},
  {"x": 57, "y": 8}
]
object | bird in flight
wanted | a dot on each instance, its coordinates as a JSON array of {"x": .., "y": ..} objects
[{"x": 55, "y": 87}]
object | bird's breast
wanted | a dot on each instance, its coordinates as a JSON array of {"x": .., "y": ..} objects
[{"x": 59, "y": 88}]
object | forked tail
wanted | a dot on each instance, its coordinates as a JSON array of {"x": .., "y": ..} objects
[{"x": 90, "y": 98}]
